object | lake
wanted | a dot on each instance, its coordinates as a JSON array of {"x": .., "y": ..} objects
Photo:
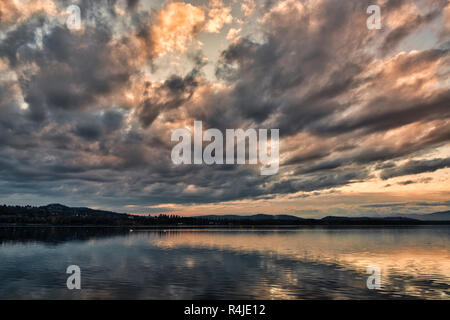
[{"x": 193, "y": 263}]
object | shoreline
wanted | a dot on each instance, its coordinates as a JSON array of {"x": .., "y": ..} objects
[{"x": 234, "y": 227}]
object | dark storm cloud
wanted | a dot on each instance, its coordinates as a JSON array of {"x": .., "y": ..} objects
[
  {"x": 407, "y": 112},
  {"x": 173, "y": 93},
  {"x": 317, "y": 153},
  {"x": 112, "y": 120},
  {"x": 407, "y": 182},
  {"x": 415, "y": 167},
  {"x": 433, "y": 204},
  {"x": 17, "y": 40},
  {"x": 315, "y": 110},
  {"x": 88, "y": 131},
  {"x": 73, "y": 75},
  {"x": 92, "y": 127},
  {"x": 325, "y": 165},
  {"x": 290, "y": 58},
  {"x": 131, "y": 4},
  {"x": 263, "y": 82},
  {"x": 363, "y": 155},
  {"x": 77, "y": 148},
  {"x": 320, "y": 181}
]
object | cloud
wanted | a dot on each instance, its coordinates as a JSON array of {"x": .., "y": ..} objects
[
  {"x": 233, "y": 34},
  {"x": 445, "y": 31},
  {"x": 13, "y": 12},
  {"x": 176, "y": 27},
  {"x": 383, "y": 205},
  {"x": 247, "y": 7},
  {"x": 405, "y": 22},
  {"x": 415, "y": 167},
  {"x": 179, "y": 23},
  {"x": 407, "y": 182},
  {"x": 218, "y": 17},
  {"x": 433, "y": 204},
  {"x": 320, "y": 182},
  {"x": 173, "y": 93},
  {"x": 86, "y": 115}
]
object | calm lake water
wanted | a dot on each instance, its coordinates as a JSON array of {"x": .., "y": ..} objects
[{"x": 305, "y": 263}]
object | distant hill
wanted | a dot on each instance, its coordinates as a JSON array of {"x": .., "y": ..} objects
[
  {"x": 58, "y": 214},
  {"x": 437, "y": 216},
  {"x": 59, "y": 209},
  {"x": 406, "y": 218},
  {"x": 330, "y": 220},
  {"x": 252, "y": 217},
  {"x": 369, "y": 219}
]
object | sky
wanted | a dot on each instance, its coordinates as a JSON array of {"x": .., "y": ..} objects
[{"x": 86, "y": 115}]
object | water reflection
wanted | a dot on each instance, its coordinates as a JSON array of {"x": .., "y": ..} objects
[{"x": 305, "y": 263}]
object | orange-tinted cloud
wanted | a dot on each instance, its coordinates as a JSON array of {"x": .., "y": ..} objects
[
  {"x": 176, "y": 27},
  {"x": 12, "y": 11},
  {"x": 217, "y": 18},
  {"x": 179, "y": 23}
]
